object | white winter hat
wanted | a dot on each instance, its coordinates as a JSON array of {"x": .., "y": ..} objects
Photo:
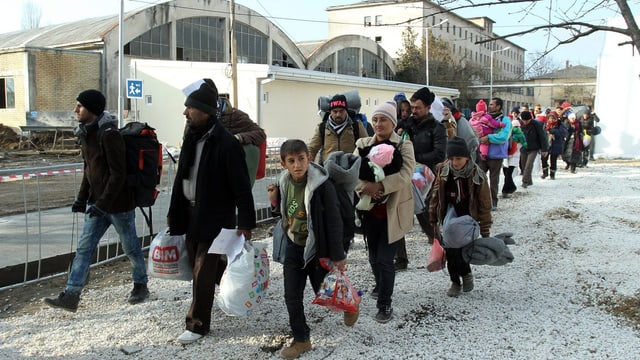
[{"x": 387, "y": 109}]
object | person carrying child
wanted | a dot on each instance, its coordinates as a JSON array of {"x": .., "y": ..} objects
[
  {"x": 387, "y": 222},
  {"x": 307, "y": 200},
  {"x": 484, "y": 124},
  {"x": 383, "y": 159}
]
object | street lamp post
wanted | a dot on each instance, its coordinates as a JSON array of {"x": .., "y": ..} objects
[
  {"x": 426, "y": 49},
  {"x": 491, "y": 75}
]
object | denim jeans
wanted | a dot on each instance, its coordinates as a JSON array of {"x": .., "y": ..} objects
[
  {"x": 295, "y": 280},
  {"x": 93, "y": 230}
]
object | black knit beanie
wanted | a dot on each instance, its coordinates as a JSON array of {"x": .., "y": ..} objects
[
  {"x": 457, "y": 147},
  {"x": 338, "y": 101},
  {"x": 205, "y": 98},
  {"x": 525, "y": 115},
  {"x": 425, "y": 95},
  {"x": 92, "y": 100}
]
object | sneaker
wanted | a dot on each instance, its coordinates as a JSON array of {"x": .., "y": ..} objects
[
  {"x": 467, "y": 282},
  {"x": 296, "y": 349},
  {"x": 384, "y": 314},
  {"x": 350, "y": 318},
  {"x": 401, "y": 265},
  {"x": 139, "y": 294},
  {"x": 65, "y": 301},
  {"x": 189, "y": 337},
  {"x": 454, "y": 290},
  {"x": 506, "y": 195}
]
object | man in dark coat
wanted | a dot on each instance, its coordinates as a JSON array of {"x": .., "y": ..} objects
[
  {"x": 104, "y": 189},
  {"x": 537, "y": 143},
  {"x": 208, "y": 188}
]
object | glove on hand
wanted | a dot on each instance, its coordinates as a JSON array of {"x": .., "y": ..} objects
[
  {"x": 79, "y": 206},
  {"x": 95, "y": 211}
]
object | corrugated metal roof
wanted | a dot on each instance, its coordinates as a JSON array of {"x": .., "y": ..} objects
[{"x": 78, "y": 32}]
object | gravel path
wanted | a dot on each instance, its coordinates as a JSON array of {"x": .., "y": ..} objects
[{"x": 575, "y": 258}]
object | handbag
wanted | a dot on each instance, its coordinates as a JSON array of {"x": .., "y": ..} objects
[
  {"x": 280, "y": 240},
  {"x": 419, "y": 206},
  {"x": 498, "y": 151},
  {"x": 244, "y": 283},
  {"x": 437, "y": 257},
  {"x": 168, "y": 257}
]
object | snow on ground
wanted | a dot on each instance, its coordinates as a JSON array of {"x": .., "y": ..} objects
[{"x": 576, "y": 241}]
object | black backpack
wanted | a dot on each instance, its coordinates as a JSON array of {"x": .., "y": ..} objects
[{"x": 144, "y": 164}]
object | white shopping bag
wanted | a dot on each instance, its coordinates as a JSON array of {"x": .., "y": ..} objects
[
  {"x": 168, "y": 258},
  {"x": 245, "y": 280}
]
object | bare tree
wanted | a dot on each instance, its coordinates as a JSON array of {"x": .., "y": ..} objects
[
  {"x": 572, "y": 16},
  {"x": 538, "y": 64},
  {"x": 31, "y": 15}
]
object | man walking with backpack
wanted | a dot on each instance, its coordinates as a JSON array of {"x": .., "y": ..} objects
[
  {"x": 109, "y": 202},
  {"x": 338, "y": 133}
]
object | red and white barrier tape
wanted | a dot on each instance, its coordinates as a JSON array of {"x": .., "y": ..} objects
[{"x": 36, "y": 174}]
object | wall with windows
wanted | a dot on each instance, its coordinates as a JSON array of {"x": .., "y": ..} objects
[
  {"x": 385, "y": 23},
  {"x": 353, "y": 55}
]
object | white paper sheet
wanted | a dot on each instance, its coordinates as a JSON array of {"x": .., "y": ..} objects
[{"x": 227, "y": 242}]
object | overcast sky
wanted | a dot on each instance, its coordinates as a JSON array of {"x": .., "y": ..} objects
[{"x": 307, "y": 20}]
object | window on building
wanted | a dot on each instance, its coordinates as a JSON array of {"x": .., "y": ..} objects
[
  {"x": 378, "y": 38},
  {"x": 349, "y": 61},
  {"x": 378, "y": 20},
  {"x": 252, "y": 45},
  {"x": 280, "y": 57},
  {"x": 454, "y": 30},
  {"x": 448, "y": 28},
  {"x": 152, "y": 44},
  {"x": 370, "y": 64},
  {"x": 200, "y": 39},
  {"x": 440, "y": 24},
  {"x": 326, "y": 65},
  {"x": 7, "y": 93},
  {"x": 433, "y": 20},
  {"x": 367, "y": 21},
  {"x": 387, "y": 74}
]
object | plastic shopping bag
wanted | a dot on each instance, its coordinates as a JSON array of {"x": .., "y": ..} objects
[
  {"x": 336, "y": 292},
  {"x": 245, "y": 280},
  {"x": 168, "y": 258},
  {"x": 437, "y": 257}
]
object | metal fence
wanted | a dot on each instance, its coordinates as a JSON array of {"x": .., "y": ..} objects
[{"x": 39, "y": 233}]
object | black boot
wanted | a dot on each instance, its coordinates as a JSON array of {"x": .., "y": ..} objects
[
  {"x": 139, "y": 294},
  {"x": 552, "y": 175},
  {"x": 65, "y": 301},
  {"x": 545, "y": 173}
]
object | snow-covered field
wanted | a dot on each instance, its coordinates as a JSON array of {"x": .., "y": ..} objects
[{"x": 576, "y": 241}]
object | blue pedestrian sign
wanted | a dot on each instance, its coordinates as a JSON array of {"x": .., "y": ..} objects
[{"x": 134, "y": 89}]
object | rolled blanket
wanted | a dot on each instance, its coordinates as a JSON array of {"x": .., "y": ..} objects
[
  {"x": 506, "y": 237},
  {"x": 487, "y": 251}
]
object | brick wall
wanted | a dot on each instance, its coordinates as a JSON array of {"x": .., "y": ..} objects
[{"x": 58, "y": 76}]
